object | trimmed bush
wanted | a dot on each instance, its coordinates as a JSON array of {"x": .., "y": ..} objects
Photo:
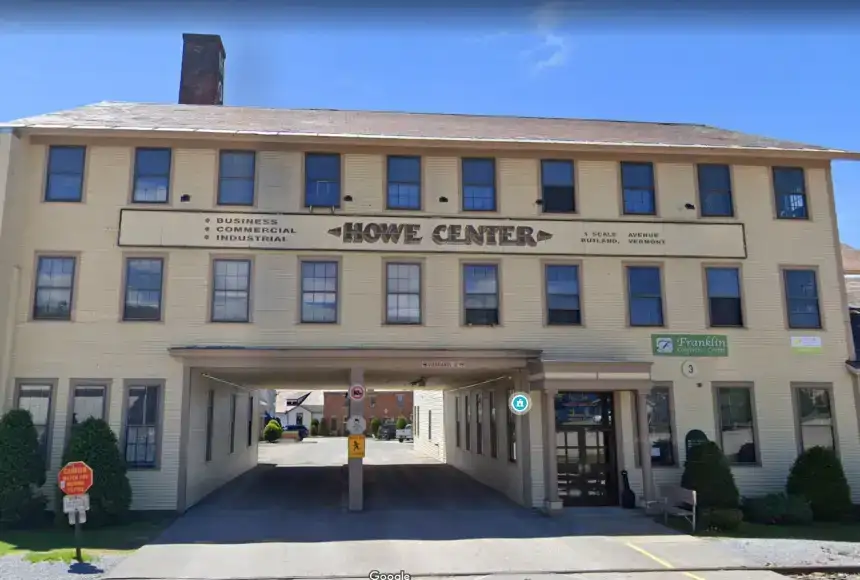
[
  {"x": 323, "y": 428},
  {"x": 707, "y": 471},
  {"x": 22, "y": 471},
  {"x": 95, "y": 443},
  {"x": 817, "y": 475},
  {"x": 375, "y": 424},
  {"x": 401, "y": 423},
  {"x": 272, "y": 432},
  {"x": 722, "y": 519},
  {"x": 777, "y": 509},
  {"x": 315, "y": 426}
]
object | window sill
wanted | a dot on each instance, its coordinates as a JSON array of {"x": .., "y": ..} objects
[
  {"x": 63, "y": 200},
  {"x": 229, "y": 322},
  {"x": 143, "y": 468},
  {"x": 143, "y": 202}
]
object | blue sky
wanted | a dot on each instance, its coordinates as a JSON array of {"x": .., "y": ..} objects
[{"x": 792, "y": 77}]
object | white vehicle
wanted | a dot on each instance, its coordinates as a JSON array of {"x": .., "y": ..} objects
[{"x": 404, "y": 434}]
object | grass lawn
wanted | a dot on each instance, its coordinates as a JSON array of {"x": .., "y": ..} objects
[
  {"x": 57, "y": 544},
  {"x": 831, "y": 532}
]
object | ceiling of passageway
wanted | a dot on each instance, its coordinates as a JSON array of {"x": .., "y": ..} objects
[{"x": 337, "y": 379}]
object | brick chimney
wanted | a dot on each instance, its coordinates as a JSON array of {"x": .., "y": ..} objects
[{"x": 202, "y": 78}]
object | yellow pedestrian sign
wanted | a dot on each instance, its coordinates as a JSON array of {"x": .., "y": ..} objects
[{"x": 356, "y": 447}]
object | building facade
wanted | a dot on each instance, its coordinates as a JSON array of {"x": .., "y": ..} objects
[
  {"x": 382, "y": 405},
  {"x": 630, "y": 277}
]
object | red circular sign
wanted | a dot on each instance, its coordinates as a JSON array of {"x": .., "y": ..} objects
[
  {"x": 356, "y": 392},
  {"x": 75, "y": 478}
]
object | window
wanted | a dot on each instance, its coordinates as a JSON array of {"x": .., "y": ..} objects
[
  {"x": 231, "y": 285},
  {"x": 457, "y": 420},
  {"x": 141, "y": 426},
  {"x": 55, "y": 277},
  {"x": 724, "y": 296},
  {"x": 737, "y": 424},
  {"x": 562, "y": 295},
  {"x": 250, "y": 420},
  {"x": 481, "y": 300},
  {"x": 210, "y": 423},
  {"x": 300, "y": 418},
  {"x": 557, "y": 187},
  {"x": 637, "y": 184},
  {"x": 144, "y": 279},
  {"x": 660, "y": 432},
  {"x": 322, "y": 179},
  {"x": 814, "y": 417},
  {"x": 403, "y": 293},
  {"x": 645, "y": 290},
  {"x": 65, "y": 180},
  {"x": 416, "y": 427},
  {"x": 479, "y": 184},
  {"x": 38, "y": 399},
  {"x": 233, "y": 401},
  {"x": 319, "y": 292},
  {"x": 715, "y": 190},
  {"x": 801, "y": 297},
  {"x": 468, "y": 422},
  {"x": 333, "y": 426},
  {"x": 404, "y": 182},
  {"x": 430, "y": 425},
  {"x": 494, "y": 447},
  {"x": 512, "y": 429},
  {"x": 372, "y": 401},
  {"x": 88, "y": 402},
  {"x": 400, "y": 400},
  {"x": 789, "y": 187},
  {"x": 151, "y": 175},
  {"x": 237, "y": 171},
  {"x": 479, "y": 423}
]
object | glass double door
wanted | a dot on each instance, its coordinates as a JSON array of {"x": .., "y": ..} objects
[{"x": 585, "y": 449}]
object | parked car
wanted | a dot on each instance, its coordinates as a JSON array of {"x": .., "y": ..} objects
[
  {"x": 303, "y": 431},
  {"x": 387, "y": 432},
  {"x": 404, "y": 434}
]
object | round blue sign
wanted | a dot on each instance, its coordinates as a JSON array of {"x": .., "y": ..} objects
[{"x": 520, "y": 403}]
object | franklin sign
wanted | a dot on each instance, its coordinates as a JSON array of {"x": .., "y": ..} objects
[{"x": 338, "y": 233}]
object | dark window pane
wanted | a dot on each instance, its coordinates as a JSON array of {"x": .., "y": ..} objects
[
  {"x": 322, "y": 180},
  {"x": 724, "y": 296},
  {"x": 645, "y": 289},
  {"x": 644, "y": 280},
  {"x": 790, "y": 191},
  {"x": 236, "y": 192},
  {"x": 143, "y": 289},
  {"x": 238, "y": 164},
  {"x": 557, "y": 186},
  {"x": 319, "y": 292},
  {"x": 479, "y": 184},
  {"x": 236, "y": 178},
  {"x": 481, "y": 299},
  {"x": 54, "y": 282},
  {"x": 65, "y": 173},
  {"x": 404, "y": 169},
  {"x": 231, "y": 291},
  {"x": 802, "y": 299},
  {"x": 637, "y": 175},
  {"x": 562, "y": 295},
  {"x": 715, "y": 190},
  {"x": 89, "y": 402},
  {"x": 151, "y": 175},
  {"x": 69, "y": 160},
  {"x": 737, "y": 429}
]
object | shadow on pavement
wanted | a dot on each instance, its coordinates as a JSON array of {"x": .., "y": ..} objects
[{"x": 407, "y": 502}]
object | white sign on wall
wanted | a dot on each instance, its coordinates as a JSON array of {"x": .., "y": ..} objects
[{"x": 332, "y": 232}]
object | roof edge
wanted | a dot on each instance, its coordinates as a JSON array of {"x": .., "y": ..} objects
[{"x": 357, "y": 138}]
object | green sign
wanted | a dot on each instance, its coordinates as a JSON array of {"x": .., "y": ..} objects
[{"x": 690, "y": 345}]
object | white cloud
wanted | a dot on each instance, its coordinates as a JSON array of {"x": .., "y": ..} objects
[{"x": 553, "y": 49}]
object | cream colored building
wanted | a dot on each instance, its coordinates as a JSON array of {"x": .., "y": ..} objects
[{"x": 160, "y": 262}]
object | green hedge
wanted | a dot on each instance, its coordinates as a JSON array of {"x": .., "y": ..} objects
[
  {"x": 818, "y": 476},
  {"x": 22, "y": 471}
]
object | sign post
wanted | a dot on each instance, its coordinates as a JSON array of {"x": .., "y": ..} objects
[{"x": 75, "y": 480}]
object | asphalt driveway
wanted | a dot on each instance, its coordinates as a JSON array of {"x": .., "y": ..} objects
[{"x": 287, "y": 519}]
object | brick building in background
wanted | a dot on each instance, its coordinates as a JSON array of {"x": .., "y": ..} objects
[{"x": 379, "y": 404}]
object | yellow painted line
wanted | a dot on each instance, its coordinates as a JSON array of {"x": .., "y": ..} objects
[{"x": 660, "y": 560}]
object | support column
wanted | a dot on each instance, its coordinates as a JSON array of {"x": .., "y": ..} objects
[
  {"x": 356, "y": 466},
  {"x": 644, "y": 445},
  {"x": 552, "y": 503}
]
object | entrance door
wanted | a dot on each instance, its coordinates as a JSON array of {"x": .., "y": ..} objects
[{"x": 585, "y": 449}]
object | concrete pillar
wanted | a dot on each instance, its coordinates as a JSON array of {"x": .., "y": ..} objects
[
  {"x": 356, "y": 466},
  {"x": 552, "y": 502},
  {"x": 644, "y": 445}
]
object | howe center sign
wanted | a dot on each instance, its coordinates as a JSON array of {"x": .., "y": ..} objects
[{"x": 196, "y": 229}]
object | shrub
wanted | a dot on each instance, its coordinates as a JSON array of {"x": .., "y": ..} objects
[
  {"x": 375, "y": 424},
  {"x": 401, "y": 423},
  {"x": 95, "y": 443},
  {"x": 777, "y": 509},
  {"x": 817, "y": 475},
  {"x": 22, "y": 470},
  {"x": 272, "y": 432},
  {"x": 722, "y": 519},
  {"x": 708, "y": 473},
  {"x": 323, "y": 428}
]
